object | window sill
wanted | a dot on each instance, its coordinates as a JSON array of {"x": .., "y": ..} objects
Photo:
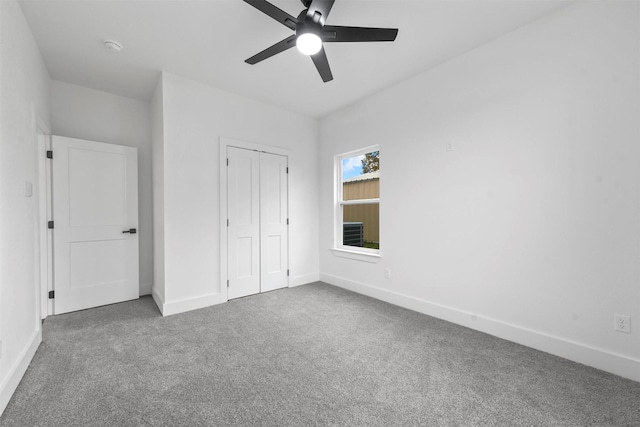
[{"x": 356, "y": 255}]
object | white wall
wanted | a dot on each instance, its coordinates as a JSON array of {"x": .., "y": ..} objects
[
  {"x": 79, "y": 112},
  {"x": 529, "y": 229},
  {"x": 195, "y": 116},
  {"x": 24, "y": 89},
  {"x": 157, "y": 137}
]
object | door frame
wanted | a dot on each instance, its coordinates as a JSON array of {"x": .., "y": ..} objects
[
  {"x": 43, "y": 214},
  {"x": 224, "y": 144}
]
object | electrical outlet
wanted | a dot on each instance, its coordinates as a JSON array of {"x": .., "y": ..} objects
[
  {"x": 449, "y": 146},
  {"x": 387, "y": 273},
  {"x": 622, "y": 323}
]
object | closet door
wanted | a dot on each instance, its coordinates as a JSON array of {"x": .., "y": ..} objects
[
  {"x": 273, "y": 222},
  {"x": 243, "y": 206},
  {"x": 257, "y": 239}
]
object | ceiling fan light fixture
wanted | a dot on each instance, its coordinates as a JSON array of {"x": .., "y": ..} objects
[
  {"x": 308, "y": 43},
  {"x": 311, "y": 33}
]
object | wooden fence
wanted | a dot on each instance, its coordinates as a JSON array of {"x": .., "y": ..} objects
[{"x": 368, "y": 214}]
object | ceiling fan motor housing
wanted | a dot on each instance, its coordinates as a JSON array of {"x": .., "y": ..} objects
[{"x": 307, "y": 26}]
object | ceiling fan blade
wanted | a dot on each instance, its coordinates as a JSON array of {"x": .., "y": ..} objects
[
  {"x": 281, "y": 46},
  {"x": 323, "y": 7},
  {"x": 334, "y": 33},
  {"x": 279, "y": 15},
  {"x": 322, "y": 64}
]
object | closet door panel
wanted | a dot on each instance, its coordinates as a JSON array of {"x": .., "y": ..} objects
[
  {"x": 274, "y": 236},
  {"x": 243, "y": 212}
]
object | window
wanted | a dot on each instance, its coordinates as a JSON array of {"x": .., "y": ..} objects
[{"x": 358, "y": 201}]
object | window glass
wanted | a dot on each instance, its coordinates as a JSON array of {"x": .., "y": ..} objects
[
  {"x": 361, "y": 176},
  {"x": 361, "y": 224},
  {"x": 359, "y": 200}
]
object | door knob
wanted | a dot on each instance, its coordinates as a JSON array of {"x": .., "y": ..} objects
[{"x": 131, "y": 230}]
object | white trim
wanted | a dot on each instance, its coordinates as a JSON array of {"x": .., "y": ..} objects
[
  {"x": 224, "y": 144},
  {"x": 15, "y": 374},
  {"x": 360, "y": 151},
  {"x": 614, "y": 363},
  {"x": 186, "y": 304},
  {"x": 338, "y": 249},
  {"x": 358, "y": 255},
  {"x": 304, "y": 279},
  {"x": 157, "y": 299},
  {"x": 44, "y": 273},
  {"x": 224, "y": 290},
  {"x": 360, "y": 202},
  {"x": 231, "y": 142},
  {"x": 45, "y": 241}
]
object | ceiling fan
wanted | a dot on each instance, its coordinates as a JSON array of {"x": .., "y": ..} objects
[{"x": 311, "y": 32}]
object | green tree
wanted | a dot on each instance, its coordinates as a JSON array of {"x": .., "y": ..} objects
[{"x": 371, "y": 162}]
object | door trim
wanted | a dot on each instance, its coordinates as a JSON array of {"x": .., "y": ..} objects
[
  {"x": 224, "y": 144},
  {"x": 43, "y": 214}
]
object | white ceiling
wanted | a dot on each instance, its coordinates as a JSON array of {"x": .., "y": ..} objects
[{"x": 208, "y": 41}]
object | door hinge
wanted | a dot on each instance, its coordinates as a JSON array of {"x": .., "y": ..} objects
[
  {"x": 52, "y": 294},
  {"x": 49, "y": 154},
  {"x": 287, "y": 169},
  {"x": 227, "y": 222},
  {"x": 227, "y": 283},
  {"x": 227, "y": 162},
  {"x": 50, "y": 225},
  {"x": 287, "y": 221}
]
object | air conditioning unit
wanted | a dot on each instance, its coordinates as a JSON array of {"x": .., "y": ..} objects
[{"x": 353, "y": 234}]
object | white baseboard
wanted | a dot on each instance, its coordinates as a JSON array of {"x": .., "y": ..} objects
[
  {"x": 303, "y": 279},
  {"x": 186, "y": 304},
  {"x": 157, "y": 299},
  {"x": 621, "y": 365},
  {"x": 10, "y": 383}
]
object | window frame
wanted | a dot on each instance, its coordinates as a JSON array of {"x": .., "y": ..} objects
[{"x": 339, "y": 249}]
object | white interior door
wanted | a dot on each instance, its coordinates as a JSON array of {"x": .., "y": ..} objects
[
  {"x": 273, "y": 222},
  {"x": 243, "y": 228},
  {"x": 257, "y": 231},
  {"x": 95, "y": 212}
]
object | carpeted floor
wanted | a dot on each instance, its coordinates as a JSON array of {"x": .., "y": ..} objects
[{"x": 311, "y": 355}]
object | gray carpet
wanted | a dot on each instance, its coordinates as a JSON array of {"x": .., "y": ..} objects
[{"x": 311, "y": 355}]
